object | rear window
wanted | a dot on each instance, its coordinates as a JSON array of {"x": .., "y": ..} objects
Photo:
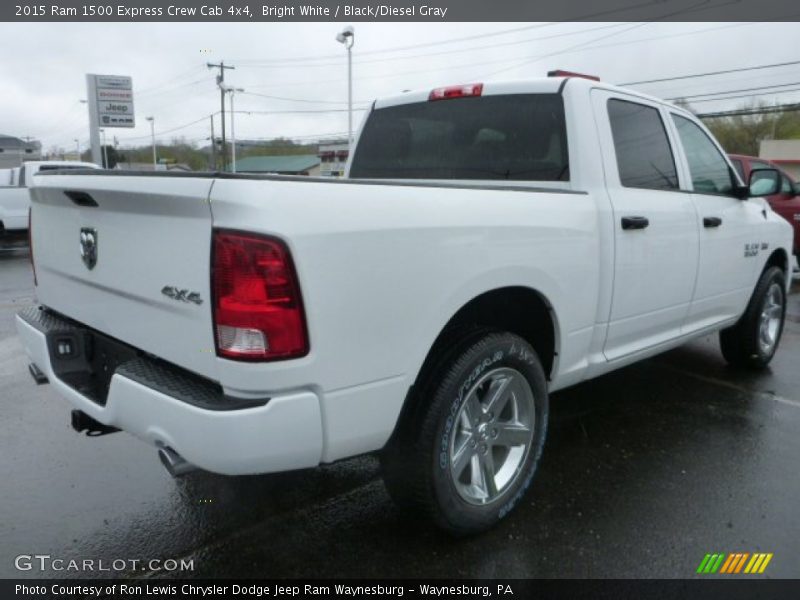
[
  {"x": 518, "y": 137},
  {"x": 644, "y": 156}
]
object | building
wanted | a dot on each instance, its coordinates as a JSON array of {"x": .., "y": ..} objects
[
  {"x": 333, "y": 158},
  {"x": 295, "y": 164},
  {"x": 784, "y": 153},
  {"x": 14, "y": 151}
]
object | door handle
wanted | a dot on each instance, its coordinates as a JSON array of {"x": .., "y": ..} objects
[
  {"x": 635, "y": 222},
  {"x": 712, "y": 221}
]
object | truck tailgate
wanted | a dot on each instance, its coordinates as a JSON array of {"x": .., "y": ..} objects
[{"x": 146, "y": 281}]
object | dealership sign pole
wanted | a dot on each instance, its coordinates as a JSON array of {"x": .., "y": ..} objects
[{"x": 110, "y": 101}]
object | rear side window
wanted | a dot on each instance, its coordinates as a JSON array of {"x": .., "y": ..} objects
[
  {"x": 708, "y": 167},
  {"x": 644, "y": 156},
  {"x": 518, "y": 137}
]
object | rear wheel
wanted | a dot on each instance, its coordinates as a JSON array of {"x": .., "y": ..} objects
[
  {"x": 753, "y": 341},
  {"x": 469, "y": 452}
]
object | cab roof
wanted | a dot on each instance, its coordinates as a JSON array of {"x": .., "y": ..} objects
[{"x": 540, "y": 85}]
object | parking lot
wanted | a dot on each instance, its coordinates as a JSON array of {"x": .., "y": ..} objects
[{"x": 645, "y": 471}]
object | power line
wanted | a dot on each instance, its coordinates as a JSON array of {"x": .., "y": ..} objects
[
  {"x": 295, "y": 112},
  {"x": 170, "y": 81},
  {"x": 276, "y": 64},
  {"x": 526, "y": 60},
  {"x": 764, "y": 88},
  {"x": 178, "y": 128},
  {"x": 564, "y": 51},
  {"x": 755, "y": 95},
  {"x": 299, "y": 99},
  {"x": 710, "y": 73},
  {"x": 766, "y": 110}
]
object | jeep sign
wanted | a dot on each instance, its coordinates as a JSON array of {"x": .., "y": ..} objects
[{"x": 111, "y": 98}]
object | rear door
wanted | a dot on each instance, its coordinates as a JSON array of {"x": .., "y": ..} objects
[
  {"x": 112, "y": 252},
  {"x": 728, "y": 226},
  {"x": 655, "y": 228}
]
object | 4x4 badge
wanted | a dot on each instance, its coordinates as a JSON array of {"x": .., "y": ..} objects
[
  {"x": 89, "y": 247},
  {"x": 182, "y": 295}
]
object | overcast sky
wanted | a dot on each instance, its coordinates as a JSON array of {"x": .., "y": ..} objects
[{"x": 44, "y": 66}]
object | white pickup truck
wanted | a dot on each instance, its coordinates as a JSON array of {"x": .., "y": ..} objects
[
  {"x": 492, "y": 244},
  {"x": 15, "y": 199}
]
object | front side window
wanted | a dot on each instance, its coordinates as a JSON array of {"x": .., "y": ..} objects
[
  {"x": 707, "y": 166},
  {"x": 644, "y": 156},
  {"x": 519, "y": 137}
]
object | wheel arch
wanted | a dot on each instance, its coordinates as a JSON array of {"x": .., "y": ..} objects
[
  {"x": 521, "y": 310},
  {"x": 780, "y": 258}
]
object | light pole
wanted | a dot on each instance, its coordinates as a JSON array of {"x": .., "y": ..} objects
[
  {"x": 232, "y": 92},
  {"x": 153, "y": 137},
  {"x": 347, "y": 37}
]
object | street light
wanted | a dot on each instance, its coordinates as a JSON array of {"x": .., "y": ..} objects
[
  {"x": 153, "y": 137},
  {"x": 232, "y": 91},
  {"x": 347, "y": 37}
]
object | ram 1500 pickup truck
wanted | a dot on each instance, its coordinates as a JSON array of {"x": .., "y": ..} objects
[{"x": 492, "y": 243}]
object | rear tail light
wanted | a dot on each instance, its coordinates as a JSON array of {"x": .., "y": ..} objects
[
  {"x": 258, "y": 311},
  {"x": 456, "y": 91},
  {"x": 30, "y": 247}
]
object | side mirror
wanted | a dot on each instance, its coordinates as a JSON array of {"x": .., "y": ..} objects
[{"x": 764, "y": 182}]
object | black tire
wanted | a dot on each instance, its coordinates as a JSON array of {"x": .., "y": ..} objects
[
  {"x": 741, "y": 344},
  {"x": 416, "y": 463}
]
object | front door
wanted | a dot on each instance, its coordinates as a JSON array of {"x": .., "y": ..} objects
[
  {"x": 655, "y": 228},
  {"x": 728, "y": 226}
]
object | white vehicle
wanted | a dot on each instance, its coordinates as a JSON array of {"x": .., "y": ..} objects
[
  {"x": 494, "y": 243},
  {"x": 14, "y": 196}
]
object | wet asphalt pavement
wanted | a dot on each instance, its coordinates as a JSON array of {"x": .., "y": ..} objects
[{"x": 645, "y": 471}]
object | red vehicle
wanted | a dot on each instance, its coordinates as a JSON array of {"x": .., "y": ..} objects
[{"x": 786, "y": 203}]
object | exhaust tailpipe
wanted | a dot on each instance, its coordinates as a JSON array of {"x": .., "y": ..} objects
[{"x": 174, "y": 463}]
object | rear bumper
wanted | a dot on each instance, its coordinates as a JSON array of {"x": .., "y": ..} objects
[{"x": 283, "y": 434}]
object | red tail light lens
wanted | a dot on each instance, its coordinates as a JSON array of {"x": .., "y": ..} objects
[
  {"x": 30, "y": 248},
  {"x": 258, "y": 311},
  {"x": 456, "y": 91}
]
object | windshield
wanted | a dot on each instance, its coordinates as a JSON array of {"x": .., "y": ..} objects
[{"x": 516, "y": 137}]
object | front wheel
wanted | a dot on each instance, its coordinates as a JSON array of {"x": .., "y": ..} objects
[
  {"x": 752, "y": 342},
  {"x": 469, "y": 452}
]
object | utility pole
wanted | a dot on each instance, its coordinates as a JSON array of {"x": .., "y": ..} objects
[
  {"x": 213, "y": 147},
  {"x": 105, "y": 152},
  {"x": 233, "y": 91},
  {"x": 153, "y": 138},
  {"x": 221, "y": 84}
]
